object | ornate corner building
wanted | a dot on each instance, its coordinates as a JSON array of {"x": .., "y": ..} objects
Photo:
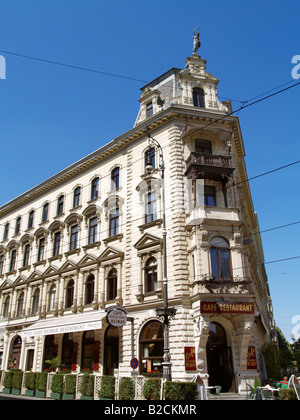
[{"x": 90, "y": 238}]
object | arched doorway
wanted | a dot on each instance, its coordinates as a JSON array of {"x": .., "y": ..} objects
[
  {"x": 111, "y": 350},
  {"x": 152, "y": 349},
  {"x": 219, "y": 360},
  {"x": 15, "y": 353}
]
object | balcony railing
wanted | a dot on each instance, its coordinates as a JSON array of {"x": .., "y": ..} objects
[
  {"x": 232, "y": 285},
  {"x": 210, "y": 166}
]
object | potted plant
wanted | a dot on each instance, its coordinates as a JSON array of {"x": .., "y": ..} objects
[
  {"x": 126, "y": 389},
  {"x": 41, "y": 384},
  {"x": 86, "y": 387},
  {"x": 151, "y": 390},
  {"x": 69, "y": 387},
  {"x": 7, "y": 382},
  {"x": 107, "y": 388},
  {"x": 57, "y": 386},
  {"x": 30, "y": 379}
]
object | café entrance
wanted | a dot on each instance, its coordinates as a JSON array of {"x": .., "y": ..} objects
[{"x": 219, "y": 359}]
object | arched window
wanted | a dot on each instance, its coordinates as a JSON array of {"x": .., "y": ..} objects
[
  {"x": 151, "y": 348},
  {"x": 6, "y": 231},
  {"x": 114, "y": 222},
  {"x": 151, "y": 275},
  {"x": 198, "y": 98},
  {"x": 18, "y": 226},
  {"x": 76, "y": 197},
  {"x": 51, "y": 302},
  {"x": 115, "y": 178},
  {"x": 5, "y": 311},
  {"x": 70, "y": 294},
  {"x": 45, "y": 213},
  {"x": 35, "y": 302},
  {"x": 220, "y": 259},
  {"x": 60, "y": 205},
  {"x": 89, "y": 289},
  {"x": 30, "y": 219},
  {"x": 112, "y": 280},
  {"x": 95, "y": 188},
  {"x": 20, "y": 304}
]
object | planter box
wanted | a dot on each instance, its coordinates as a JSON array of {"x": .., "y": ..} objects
[
  {"x": 84, "y": 397},
  {"x": 6, "y": 390},
  {"x": 55, "y": 395},
  {"x": 16, "y": 391},
  {"x": 29, "y": 392},
  {"x": 68, "y": 397},
  {"x": 40, "y": 394}
]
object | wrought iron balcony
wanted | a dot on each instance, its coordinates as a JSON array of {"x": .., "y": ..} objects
[{"x": 202, "y": 165}]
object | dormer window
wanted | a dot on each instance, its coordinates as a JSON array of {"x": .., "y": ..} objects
[
  {"x": 149, "y": 109},
  {"x": 198, "y": 98}
]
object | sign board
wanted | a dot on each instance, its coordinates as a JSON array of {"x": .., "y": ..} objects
[
  {"x": 134, "y": 363},
  {"x": 227, "y": 308},
  {"x": 251, "y": 358},
  {"x": 116, "y": 316},
  {"x": 190, "y": 358}
]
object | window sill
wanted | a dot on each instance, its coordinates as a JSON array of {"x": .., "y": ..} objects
[
  {"x": 72, "y": 252},
  {"x": 113, "y": 238},
  {"x": 93, "y": 245},
  {"x": 157, "y": 222}
]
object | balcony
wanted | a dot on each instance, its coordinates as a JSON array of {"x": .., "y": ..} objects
[
  {"x": 235, "y": 285},
  {"x": 215, "y": 167}
]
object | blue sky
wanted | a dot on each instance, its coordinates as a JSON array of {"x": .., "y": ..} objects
[{"x": 52, "y": 116}]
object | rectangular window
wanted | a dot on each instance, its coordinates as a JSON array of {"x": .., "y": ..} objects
[
  {"x": 1, "y": 264},
  {"x": 13, "y": 255},
  {"x": 41, "y": 251},
  {"x": 114, "y": 223},
  {"x": 150, "y": 207},
  {"x": 93, "y": 230},
  {"x": 57, "y": 243},
  {"x": 74, "y": 238},
  {"x": 30, "y": 219},
  {"x": 149, "y": 109},
  {"x": 210, "y": 196},
  {"x": 26, "y": 255}
]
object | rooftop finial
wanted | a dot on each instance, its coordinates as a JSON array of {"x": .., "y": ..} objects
[{"x": 197, "y": 42}]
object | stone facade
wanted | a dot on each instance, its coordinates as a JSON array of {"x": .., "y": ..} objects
[{"x": 90, "y": 238}]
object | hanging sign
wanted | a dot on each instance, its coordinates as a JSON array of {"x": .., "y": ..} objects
[
  {"x": 190, "y": 358},
  {"x": 116, "y": 316},
  {"x": 251, "y": 358}
]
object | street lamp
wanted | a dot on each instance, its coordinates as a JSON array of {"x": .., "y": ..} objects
[{"x": 165, "y": 313}]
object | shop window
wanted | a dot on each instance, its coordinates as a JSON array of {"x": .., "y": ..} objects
[
  {"x": 88, "y": 350},
  {"x": 111, "y": 351},
  {"x": 67, "y": 351},
  {"x": 151, "y": 349}
]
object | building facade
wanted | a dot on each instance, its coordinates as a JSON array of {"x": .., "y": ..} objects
[{"x": 90, "y": 239}]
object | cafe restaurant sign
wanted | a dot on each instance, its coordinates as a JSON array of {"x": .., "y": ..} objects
[{"x": 227, "y": 308}]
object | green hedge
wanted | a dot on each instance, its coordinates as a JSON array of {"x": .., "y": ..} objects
[
  {"x": 180, "y": 391},
  {"x": 41, "y": 381},
  {"x": 151, "y": 390},
  {"x": 30, "y": 380},
  {"x": 126, "y": 389},
  {"x": 107, "y": 387},
  {"x": 69, "y": 386}
]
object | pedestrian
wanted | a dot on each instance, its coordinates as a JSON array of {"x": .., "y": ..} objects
[{"x": 284, "y": 384}]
